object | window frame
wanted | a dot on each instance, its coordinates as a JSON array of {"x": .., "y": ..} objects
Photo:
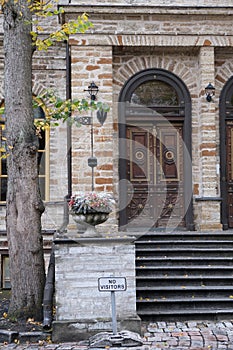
[{"x": 46, "y": 153}]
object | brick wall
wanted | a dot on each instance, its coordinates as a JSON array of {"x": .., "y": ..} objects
[
  {"x": 165, "y": 37},
  {"x": 49, "y": 71},
  {"x": 194, "y": 43}
]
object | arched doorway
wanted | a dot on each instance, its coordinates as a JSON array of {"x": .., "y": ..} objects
[
  {"x": 155, "y": 152},
  {"x": 226, "y": 154}
]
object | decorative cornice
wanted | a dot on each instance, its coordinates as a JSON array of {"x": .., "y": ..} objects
[
  {"x": 146, "y": 9},
  {"x": 156, "y": 39}
]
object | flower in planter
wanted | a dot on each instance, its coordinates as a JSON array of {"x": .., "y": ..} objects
[{"x": 84, "y": 203}]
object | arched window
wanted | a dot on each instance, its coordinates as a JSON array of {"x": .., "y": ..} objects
[
  {"x": 43, "y": 157},
  {"x": 154, "y": 93}
]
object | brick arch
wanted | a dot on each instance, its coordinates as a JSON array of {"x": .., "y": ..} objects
[
  {"x": 223, "y": 74},
  {"x": 138, "y": 63}
]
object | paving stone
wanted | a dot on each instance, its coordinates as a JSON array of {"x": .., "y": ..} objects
[
  {"x": 221, "y": 337},
  {"x": 190, "y": 335},
  {"x": 162, "y": 324}
]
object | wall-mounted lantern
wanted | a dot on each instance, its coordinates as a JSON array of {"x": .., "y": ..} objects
[
  {"x": 210, "y": 92},
  {"x": 92, "y": 90}
]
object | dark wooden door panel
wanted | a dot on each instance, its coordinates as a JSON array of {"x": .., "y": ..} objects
[
  {"x": 155, "y": 175},
  {"x": 229, "y": 172}
]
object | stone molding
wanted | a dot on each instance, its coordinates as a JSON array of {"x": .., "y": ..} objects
[{"x": 160, "y": 40}]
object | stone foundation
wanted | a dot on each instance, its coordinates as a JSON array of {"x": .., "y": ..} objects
[{"x": 82, "y": 310}]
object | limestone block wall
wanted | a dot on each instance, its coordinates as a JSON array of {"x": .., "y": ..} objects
[{"x": 78, "y": 268}]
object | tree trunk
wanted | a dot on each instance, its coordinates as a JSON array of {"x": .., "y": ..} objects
[{"x": 24, "y": 205}]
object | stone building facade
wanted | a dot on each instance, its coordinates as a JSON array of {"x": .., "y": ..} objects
[
  {"x": 167, "y": 157},
  {"x": 186, "y": 46}
]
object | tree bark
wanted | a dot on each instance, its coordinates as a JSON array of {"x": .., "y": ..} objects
[{"x": 24, "y": 204}]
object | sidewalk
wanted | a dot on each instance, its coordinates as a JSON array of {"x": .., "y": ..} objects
[{"x": 193, "y": 335}]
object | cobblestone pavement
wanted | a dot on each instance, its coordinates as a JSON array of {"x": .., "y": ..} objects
[{"x": 160, "y": 335}]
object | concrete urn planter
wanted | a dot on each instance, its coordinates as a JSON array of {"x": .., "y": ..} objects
[
  {"x": 89, "y": 210},
  {"x": 86, "y": 222}
]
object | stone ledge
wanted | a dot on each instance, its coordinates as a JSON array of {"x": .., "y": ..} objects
[
  {"x": 23, "y": 337},
  {"x": 79, "y": 240},
  {"x": 78, "y": 330},
  {"x": 208, "y": 199}
]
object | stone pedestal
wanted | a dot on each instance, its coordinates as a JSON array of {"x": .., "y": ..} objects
[{"x": 81, "y": 309}]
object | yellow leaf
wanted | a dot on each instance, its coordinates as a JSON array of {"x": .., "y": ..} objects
[
  {"x": 84, "y": 17},
  {"x": 39, "y": 28}
]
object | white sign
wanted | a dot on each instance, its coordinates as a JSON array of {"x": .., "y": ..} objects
[{"x": 112, "y": 284}]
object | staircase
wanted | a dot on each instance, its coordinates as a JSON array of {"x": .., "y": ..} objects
[{"x": 185, "y": 275}]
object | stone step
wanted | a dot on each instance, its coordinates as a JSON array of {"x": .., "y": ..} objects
[
  {"x": 177, "y": 236},
  {"x": 156, "y": 306},
  {"x": 184, "y": 281},
  {"x": 184, "y": 271},
  {"x": 184, "y": 261},
  {"x": 183, "y": 293},
  {"x": 184, "y": 252},
  {"x": 184, "y": 275},
  {"x": 201, "y": 314},
  {"x": 187, "y": 288},
  {"x": 211, "y": 244}
]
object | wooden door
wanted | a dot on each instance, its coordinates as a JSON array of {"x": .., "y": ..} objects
[
  {"x": 229, "y": 172},
  {"x": 155, "y": 176}
]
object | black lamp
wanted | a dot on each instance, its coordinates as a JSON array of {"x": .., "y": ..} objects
[
  {"x": 210, "y": 92},
  {"x": 92, "y": 90}
]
